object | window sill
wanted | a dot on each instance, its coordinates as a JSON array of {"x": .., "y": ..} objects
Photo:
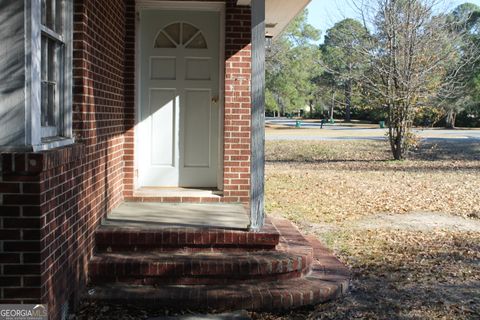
[{"x": 52, "y": 143}]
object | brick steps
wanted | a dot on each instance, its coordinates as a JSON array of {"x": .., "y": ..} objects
[
  {"x": 264, "y": 296},
  {"x": 108, "y": 238},
  {"x": 196, "y": 268},
  {"x": 214, "y": 268}
]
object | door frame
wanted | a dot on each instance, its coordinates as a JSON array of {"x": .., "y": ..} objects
[{"x": 219, "y": 7}]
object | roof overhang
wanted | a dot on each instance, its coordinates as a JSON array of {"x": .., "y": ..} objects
[{"x": 278, "y": 13}]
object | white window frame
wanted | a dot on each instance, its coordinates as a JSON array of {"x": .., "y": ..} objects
[{"x": 33, "y": 78}]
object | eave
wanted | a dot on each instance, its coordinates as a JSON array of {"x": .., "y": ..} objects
[{"x": 278, "y": 13}]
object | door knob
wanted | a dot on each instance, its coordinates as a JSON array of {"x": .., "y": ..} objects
[{"x": 214, "y": 99}]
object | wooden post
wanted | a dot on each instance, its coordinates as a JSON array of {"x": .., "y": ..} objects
[{"x": 257, "y": 207}]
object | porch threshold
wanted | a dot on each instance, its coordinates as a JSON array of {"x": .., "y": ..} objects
[
  {"x": 174, "y": 195},
  {"x": 160, "y": 215}
]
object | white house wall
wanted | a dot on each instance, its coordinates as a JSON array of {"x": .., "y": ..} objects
[{"x": 12, "y": 73}]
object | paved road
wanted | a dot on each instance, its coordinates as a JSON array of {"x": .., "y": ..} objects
[{"x": 339, "y": 132}]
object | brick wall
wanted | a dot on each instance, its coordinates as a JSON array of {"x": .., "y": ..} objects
[
  {"x": 51, "y": 202},
  {"x": 41, "y": 193}
]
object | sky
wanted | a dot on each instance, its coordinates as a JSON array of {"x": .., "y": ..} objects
[{"x": 323, "y": 14}]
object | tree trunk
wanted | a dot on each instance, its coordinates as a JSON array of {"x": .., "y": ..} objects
[
  {"x": 348, "y": 100},
  {"x": 450, "y": 120},
  {"x": 396, "y": 143},
  {"x": 311, "y": 109},
  {"x": 398, "y": 128},
  {"x": 332, "y": 107}
]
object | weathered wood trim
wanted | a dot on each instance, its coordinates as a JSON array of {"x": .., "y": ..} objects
[
  {"x": 33, "y": 72},
  {"x": 257, "y": 207},
  {"x": 67, "y": 123}
]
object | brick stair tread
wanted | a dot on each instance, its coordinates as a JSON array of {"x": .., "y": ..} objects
[
  {"x": 131, "y": 237},
  {"x": 199, "y": 264},
  {"x": 317, "y": 287}
]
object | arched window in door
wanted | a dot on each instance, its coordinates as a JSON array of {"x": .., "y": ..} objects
[{"x": 180, "y": 35}]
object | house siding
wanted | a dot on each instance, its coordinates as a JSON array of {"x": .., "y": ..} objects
[
  {"x": 12, "y": 67},
  {"x": 51, "y": 202}
]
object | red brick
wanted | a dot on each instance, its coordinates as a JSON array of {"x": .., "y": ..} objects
[
  {"x": 10, "y": 257},
  {"x": 21, "y": 246},
  {"x": 19, "y": 162},
  {"x": 21, "y": 269},
  {"x": 21, "y": 223},
  {"x": 10, "y": 282},
  {"x": 31, "y": 257},
  {"x": 9, "y": 211},
  {"x": 31, "y": 188},
  {"x": 23, "y": 293},
  {"x": 21, "y": 199},
  {"x": 9, "y": 188},
  {"x": 34, "y": 281},
  {"x": 31, "y": 211},
  {"x": 10, "y": 234}
]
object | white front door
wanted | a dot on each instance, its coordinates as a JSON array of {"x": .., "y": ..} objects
[{"x": 179, "y": 98}]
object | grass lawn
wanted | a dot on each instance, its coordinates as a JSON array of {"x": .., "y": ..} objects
[{"x": 409, "y": 230}]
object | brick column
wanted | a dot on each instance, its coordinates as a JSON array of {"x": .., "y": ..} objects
[{"x": 237, "y": 137}]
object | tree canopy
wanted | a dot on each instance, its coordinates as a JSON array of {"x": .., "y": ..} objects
[
  {"x": 403, "y": 61},
  {"x": 291, "y": 63}
]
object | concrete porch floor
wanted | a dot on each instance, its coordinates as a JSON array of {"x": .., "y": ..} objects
[{"x": 158, "y": 215}]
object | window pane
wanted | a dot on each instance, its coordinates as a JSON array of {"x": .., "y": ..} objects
[
  {"x": 173, "y": 32},
  {"x": 44, "y": 12},
  {"x": 52, "y": 61},
  {"x": 44, "y": 114},
  {"x": 163, "y": 42},
  {"x": 49, "y": 118},
  {"x": 59, "y": 9},
  {"x": 44, "y": 58},
  {"x": 51, "y": 81},
  {"x": 188, "y": 32},
  {"x": 52, "y": 14},
  {"x": 198, "y": 42},
  {"x": 52, "y": 106}
]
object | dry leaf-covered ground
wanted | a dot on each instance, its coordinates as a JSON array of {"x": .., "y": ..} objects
[
  {"x": 341, "y": 181},
  {"x": 332, "y": 188}
]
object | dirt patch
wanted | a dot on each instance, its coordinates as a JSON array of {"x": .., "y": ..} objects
[{"x": 419, "y": 221}]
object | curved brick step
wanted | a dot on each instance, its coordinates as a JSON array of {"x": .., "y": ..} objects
[
  {"x": 317, "y": 287},
  {"x": 109, "y": 238},
  {"x": 197, "y": 268},
  {"x": 327, "y": 278}
]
